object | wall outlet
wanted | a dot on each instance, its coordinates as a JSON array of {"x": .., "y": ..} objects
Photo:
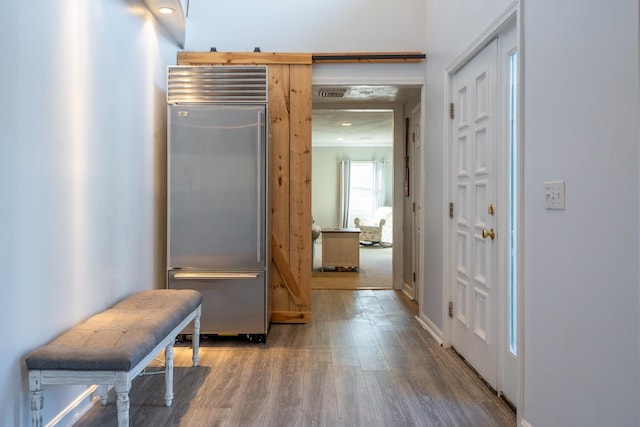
[{"x": 554, "y": 195}]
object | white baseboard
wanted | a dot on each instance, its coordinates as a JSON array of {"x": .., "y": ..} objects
[
  {"x": 524, "y": 423},
  {"x": 77, "y": 409},
  {"x": 430, "y": 327},
  {"x": 408, "y": 291}
]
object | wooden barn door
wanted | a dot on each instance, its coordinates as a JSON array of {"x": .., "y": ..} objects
[
  {"x": 290, "y": 187},
  {"x": 289, "y": 177}
]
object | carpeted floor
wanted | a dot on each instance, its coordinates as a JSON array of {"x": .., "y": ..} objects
[{"x": 375, "y": 271}]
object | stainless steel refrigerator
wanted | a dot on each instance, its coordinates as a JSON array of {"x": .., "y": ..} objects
[{"x": 217, "y": 195}]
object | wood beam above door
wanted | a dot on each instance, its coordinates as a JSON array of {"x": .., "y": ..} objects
[
  {"x": 243, "y": 58},
  {"x": 271, "y": 58}
]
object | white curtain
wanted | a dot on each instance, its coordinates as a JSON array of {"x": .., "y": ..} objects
[
  {"x": 345, "y": 190},
  {"x": 379, "y": 187},
  {"x": 368, "y": 189}
]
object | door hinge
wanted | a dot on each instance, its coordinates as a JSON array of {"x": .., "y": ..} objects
[
  {"x": 450, "y": 308},
  {"x": 413, "y": 207},
  {"x": 451, "y": 110},
  {"x": 413, "y": 137},
  {"x": 450, "y": 209},
  {"x": 414, "y": 277}
]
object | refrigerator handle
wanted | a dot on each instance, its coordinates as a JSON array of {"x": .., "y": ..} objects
[
  {"x": 260, "y": 179},
  {"x": 210, "y": 275}
]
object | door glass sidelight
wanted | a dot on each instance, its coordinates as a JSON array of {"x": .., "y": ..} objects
[{"x": 513, "y": 214}]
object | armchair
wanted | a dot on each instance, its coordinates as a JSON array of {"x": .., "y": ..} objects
[{"x": 371, "y": 232}]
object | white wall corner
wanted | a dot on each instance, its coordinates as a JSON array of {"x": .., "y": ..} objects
[{"x": 430, "y": 327}]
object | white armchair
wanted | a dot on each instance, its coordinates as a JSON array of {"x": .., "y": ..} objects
[
  {"x": 374, "y": 232},
  {"x": 379, "y": 230}
]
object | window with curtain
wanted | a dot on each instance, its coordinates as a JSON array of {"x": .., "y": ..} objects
[{"x": 362, "y": 190}]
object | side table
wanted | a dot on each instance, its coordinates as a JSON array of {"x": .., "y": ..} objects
[{"x": 341, "y": 247}]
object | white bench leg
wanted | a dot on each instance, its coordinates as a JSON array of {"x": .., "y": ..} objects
[
  {"x": 168, "y": 374},
  {"x": 195, "y": 342},
  {"x": 104, "y": 394},
  {"x": 123, "y": 384},
  {"x": 37, "y": 400}
]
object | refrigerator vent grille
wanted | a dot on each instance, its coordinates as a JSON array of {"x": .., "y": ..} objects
[
  {"x": 332, "y": 93},
  {"x": 207, "y": 84}
]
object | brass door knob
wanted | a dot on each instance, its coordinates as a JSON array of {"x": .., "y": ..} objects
[{"x": 489, "y": 233}]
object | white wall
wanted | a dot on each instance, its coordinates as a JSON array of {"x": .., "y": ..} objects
[
  {"x": 316, "y": 26},
  {"x": 306, "y": 26},
  {"x": 82, "y": 121},
  {"x": 581, "y": 286}
]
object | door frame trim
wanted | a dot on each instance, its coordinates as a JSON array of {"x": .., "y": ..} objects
[
  {"x": 417, "y": 245},
  {"x": 504, "y": 20},
  {"x": 509, "y": 17}
]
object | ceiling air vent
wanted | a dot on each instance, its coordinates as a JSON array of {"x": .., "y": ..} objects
[{"x": 332, "y": 92}]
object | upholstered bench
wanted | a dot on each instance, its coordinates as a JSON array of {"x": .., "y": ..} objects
[{"x": 112, "y": 347}]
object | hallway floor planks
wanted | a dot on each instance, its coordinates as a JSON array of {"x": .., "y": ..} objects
[{"x": 363, "y": 361}]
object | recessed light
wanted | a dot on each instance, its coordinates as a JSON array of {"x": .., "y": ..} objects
[
  {"x": 340, "y": 138},
  {"x": 166, "y": 10},
  {"x": 346, "y": 124}
]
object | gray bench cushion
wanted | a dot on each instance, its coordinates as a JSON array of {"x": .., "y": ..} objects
[{"x": 120, "y": 337}]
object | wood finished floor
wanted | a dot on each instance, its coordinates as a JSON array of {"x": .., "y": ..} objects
[{"x": 363, "y": 361}]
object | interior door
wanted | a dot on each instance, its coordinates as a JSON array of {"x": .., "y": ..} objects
[{"x": 474, "y": 131}]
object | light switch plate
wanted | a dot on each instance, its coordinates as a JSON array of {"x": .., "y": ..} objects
[{"x": 554, "y": 195}]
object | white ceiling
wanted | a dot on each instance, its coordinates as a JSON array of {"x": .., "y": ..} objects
[
  {"x": 352, "y": 127},
  {"x": 368, "y": 109}
]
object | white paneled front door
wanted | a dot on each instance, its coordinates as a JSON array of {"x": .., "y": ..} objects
[
  {"x": 484, "y": 258},
  {"x": 474, "y": 138}
]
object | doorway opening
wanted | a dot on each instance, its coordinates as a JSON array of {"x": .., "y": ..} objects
[{"x": 358, "y": 167}]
